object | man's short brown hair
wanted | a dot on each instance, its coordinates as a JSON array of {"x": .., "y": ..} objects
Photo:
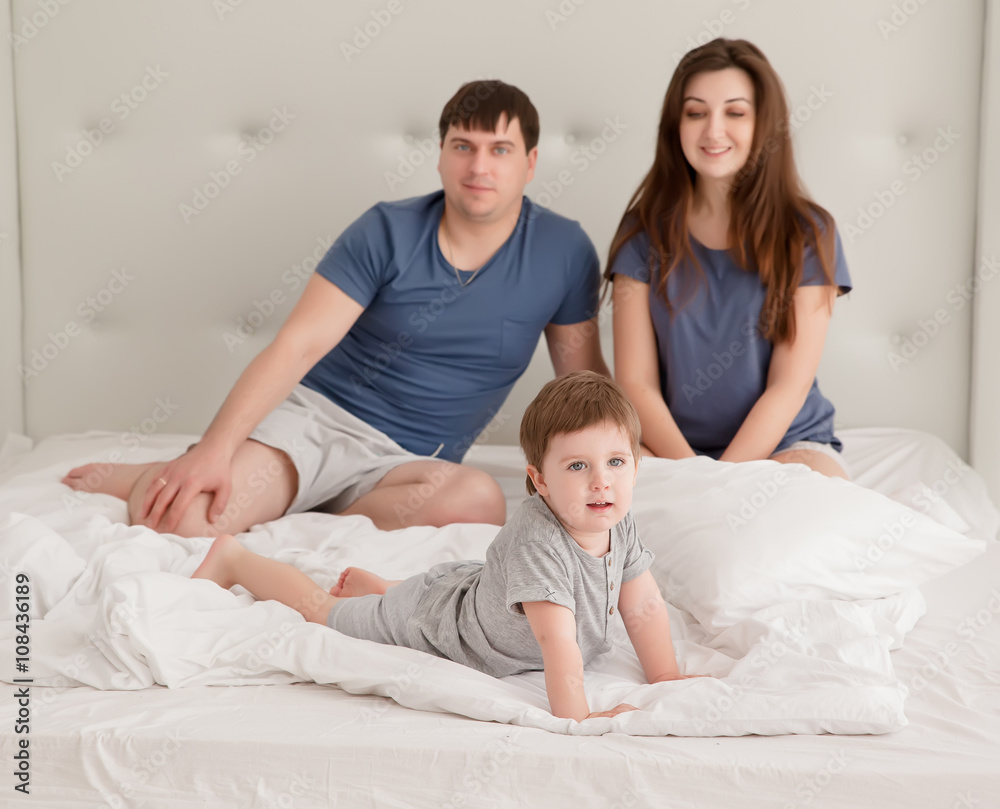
[
  {"x": 478, "y": 106},
  {"x": 572, "y": 403}
]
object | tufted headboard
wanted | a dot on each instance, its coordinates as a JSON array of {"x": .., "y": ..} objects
[{"x": 174, "y": 170}]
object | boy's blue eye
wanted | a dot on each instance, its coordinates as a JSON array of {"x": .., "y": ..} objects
[
  {"x": 617, "y": 462},
  {"x": 577, "y": 466}
]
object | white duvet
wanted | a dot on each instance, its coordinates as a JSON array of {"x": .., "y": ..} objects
[{"x": 113, "y": 607}]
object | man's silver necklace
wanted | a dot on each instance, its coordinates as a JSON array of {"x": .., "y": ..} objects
[{"x": 451, "y": 260}]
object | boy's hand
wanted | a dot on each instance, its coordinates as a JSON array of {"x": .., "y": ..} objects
[
  {"x": 613, "y": 712},
  {"x": 666, "y": 678}
]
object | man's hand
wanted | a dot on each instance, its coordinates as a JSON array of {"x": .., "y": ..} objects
[{"x": 200, "y": 469}]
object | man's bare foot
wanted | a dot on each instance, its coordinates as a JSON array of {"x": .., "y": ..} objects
[
  {"x": 217, "y": 565},
  {"x": 116, "y": 479},
  {"x": 357, "y": 582}
]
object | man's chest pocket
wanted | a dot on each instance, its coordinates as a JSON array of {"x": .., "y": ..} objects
[{"x": 518, "y": 340}]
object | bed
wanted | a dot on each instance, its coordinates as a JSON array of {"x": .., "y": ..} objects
[
  {"x": 147, "y": 686},
  {"x": 142, "y": 271}
]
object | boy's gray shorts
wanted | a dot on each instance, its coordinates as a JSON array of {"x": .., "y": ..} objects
[
  {"x": 380, "y": 618},
  {"x": 396, "y": 618},
  {"x": 338, "y": 456}
]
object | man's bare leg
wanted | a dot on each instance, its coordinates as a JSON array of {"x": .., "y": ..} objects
[
  {"x": 229, "y": 563},
  {"x": 432, "y": 493},
  {"x": 264, "y": 484},
  {"x": 116, "y": 479}
]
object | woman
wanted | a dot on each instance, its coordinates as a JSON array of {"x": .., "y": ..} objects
[{"x": 725, "y": 275}]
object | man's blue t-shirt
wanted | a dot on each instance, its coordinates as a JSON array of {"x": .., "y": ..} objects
[
  {"x": 430, "y": 361},
  {"x": 713, "y": 359}
]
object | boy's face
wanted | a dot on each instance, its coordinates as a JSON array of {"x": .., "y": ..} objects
[{"x": 587, "y": 478}]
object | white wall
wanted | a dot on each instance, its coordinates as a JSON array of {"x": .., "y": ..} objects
[{"x": 873, "y": 87}]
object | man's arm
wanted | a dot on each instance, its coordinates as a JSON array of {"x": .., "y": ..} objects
[
  {"x": 320, "y": 319},
  {"x": 576, "y": 347}
]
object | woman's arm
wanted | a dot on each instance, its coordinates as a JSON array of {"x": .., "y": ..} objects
[
  {"x": 637, "y": 368},
  {"x": 789, "y": 378},
  {"x": 554, "y": 627}
]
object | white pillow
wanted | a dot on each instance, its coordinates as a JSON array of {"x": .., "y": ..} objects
[{"x": 732, "y": 539}]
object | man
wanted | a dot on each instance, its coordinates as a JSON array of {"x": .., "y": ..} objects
[{"x": 406, "y": 340}]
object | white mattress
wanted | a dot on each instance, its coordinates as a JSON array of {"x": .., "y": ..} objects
[{"x": 312, "y": 745}]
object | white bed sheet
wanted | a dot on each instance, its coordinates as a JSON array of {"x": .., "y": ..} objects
[{"x": 308, "y": 745}]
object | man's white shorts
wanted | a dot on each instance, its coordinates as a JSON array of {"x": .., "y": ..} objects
[{"x": 338, "y": 457}]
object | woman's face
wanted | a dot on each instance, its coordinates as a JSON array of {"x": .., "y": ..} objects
[{"x": 717, "y": 122}]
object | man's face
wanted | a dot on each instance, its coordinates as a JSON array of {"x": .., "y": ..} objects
[{"x": 484, "y": 173}]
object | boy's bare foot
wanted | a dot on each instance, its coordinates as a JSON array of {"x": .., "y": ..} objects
[
  {"x": 357, "y": 582},
  {"x": 116, "y": 479},
  {"x": 217, "y": 565}
]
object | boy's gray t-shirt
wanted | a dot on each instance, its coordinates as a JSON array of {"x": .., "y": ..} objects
[{"x": 471, "y": 613}]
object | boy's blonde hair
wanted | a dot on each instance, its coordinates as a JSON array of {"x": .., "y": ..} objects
[{"x": 572, "y": 403}]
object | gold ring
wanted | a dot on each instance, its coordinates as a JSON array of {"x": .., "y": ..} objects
[{"x": 161, "y": 480}]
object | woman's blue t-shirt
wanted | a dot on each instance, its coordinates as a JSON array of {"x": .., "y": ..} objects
[{"x": 713, "y": 358}]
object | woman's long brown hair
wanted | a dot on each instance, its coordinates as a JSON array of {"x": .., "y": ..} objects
[{"x": 772, "y": 220}]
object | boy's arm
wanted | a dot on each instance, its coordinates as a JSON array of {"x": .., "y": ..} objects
[
  {"x": 645, "y": 615},
  {"x": 554, "y": 627}
]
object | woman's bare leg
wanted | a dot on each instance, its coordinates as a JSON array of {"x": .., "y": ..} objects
[{"x": 817, "y": 461}]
